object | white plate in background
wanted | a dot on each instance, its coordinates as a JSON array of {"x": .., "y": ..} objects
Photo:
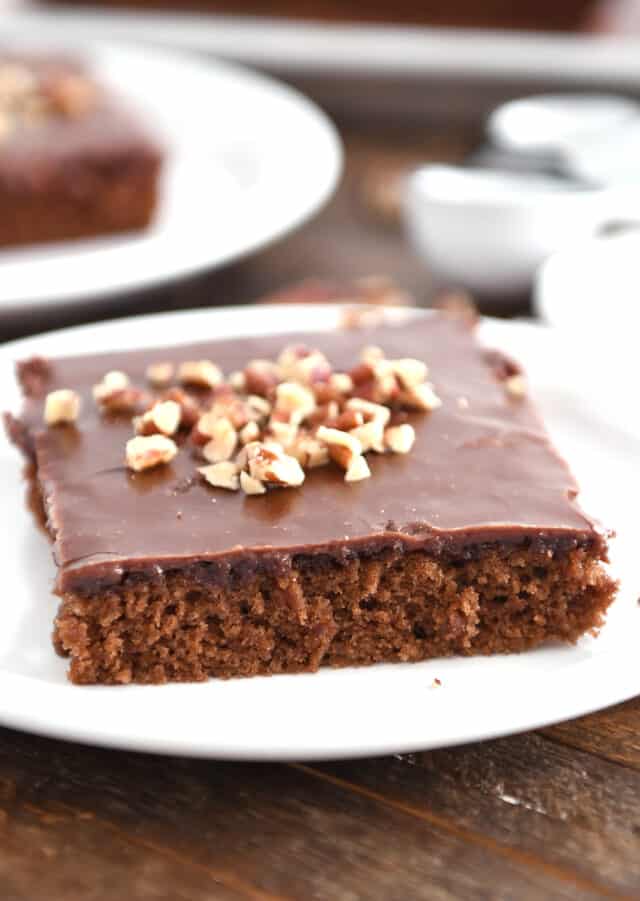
[
  {"x": 249, "y": 159},
  {"x": 332, "y": 713}
]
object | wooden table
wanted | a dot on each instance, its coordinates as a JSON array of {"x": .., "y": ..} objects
[{"x": 550, "y": 814}]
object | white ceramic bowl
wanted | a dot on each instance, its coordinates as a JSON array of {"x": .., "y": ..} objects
[{"x": 489, "y": 231}]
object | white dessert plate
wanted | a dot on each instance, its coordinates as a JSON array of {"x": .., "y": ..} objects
[
  {"x": 248, "y": 159},
  {"x": 333, "y": 713}
]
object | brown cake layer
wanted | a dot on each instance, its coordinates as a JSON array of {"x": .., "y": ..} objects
[
  {"x": 68, "y": 173},
  {"x": 471, "y": 543},
  {"x": 392, "y": 605}
]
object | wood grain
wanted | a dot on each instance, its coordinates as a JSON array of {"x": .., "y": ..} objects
[
  {"x": 613, "y": 734},
  {"x": 381, "y": 829},
  {"x": 567, "y": 813}
]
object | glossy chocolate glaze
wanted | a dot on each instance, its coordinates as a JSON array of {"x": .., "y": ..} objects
[
  {"x": 482, "y": 470},
  {"x": 52, "y": 153}
]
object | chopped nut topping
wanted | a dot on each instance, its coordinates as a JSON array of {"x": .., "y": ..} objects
[
  {"x": 346, "y": 421},
  {"x": 269, "y": 463},
  {"x": 111, "y": 383},
  {"x": 200, "y": 373},
  {"x": 410, "y": 372},
  {"x": 516, "y": 386},
  {"x": 343, "y": 447},
  {"x": 28, "y": 97},
  {"x": 299, "y": 364},
  {"x": 421, "y": 397},
  {"x": 369, "y": 409},
  {"x": 309, "y": 452},
  {"x": 160, "y": 374},
  {"x": 189, "y": 408},
  {"x": 267, "y": 425},
  {"x": 224, "y": 439},
  {"x": 61, "y": 406},
  {"x": 251, "y": 432},
  {"x": 370, "y": 435},
  {"x": 283, "y": 432},
  {"x": 341, "y": 382},
  {"x": 163, "y": 417},
  {"x": 358, "y": 470},
  {"x": 261, "y": 376},
  {"x": 258, "y": 406},
  {"x": 400, "y": 438},
  {"x": 250, "y": 485},
  {"x": 294, "y": 401},
  {"x": 126, "y": 400},
  {"x": 237, "y": 381},
  {"x": 221, "y": 475},
  {"x": 145, "y": 452}
]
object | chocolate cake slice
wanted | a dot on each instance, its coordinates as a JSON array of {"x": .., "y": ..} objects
[
  {"x": 74, "y": 163},
  {"x": 272, "y": 505}
]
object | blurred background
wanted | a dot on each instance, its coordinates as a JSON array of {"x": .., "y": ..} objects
[{"x": 407, "y": 84}]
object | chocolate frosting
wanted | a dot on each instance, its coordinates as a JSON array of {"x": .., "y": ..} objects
[{"x": 482, "y": 469}]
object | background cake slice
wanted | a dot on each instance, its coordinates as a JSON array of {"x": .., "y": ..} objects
[{"x": 74, "y": 163}]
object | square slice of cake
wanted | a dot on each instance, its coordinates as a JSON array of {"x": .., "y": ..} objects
[
  {"x": 276, "y": 504},
  {"x": 74, "y": 163}
]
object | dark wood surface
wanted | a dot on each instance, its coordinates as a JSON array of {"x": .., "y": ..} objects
[{"x": 549, "y": 814}]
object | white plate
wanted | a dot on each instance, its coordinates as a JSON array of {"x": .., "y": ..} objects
[
  {"x": 248, "y": 160},
  {"x": 333, "y": 713}
]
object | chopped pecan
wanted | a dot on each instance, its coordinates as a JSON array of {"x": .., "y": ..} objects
[
  {"x": 160, "y": 374},
  {"x": 294, "y": 401},
  {"x": 222, "y": 443},
  {"x": 343, "y": 447},
  {"x": 189, "y": 408},
  {"x": 269, "y": 463},
  {"x": 400, "y": 438},
  {"x": 144, "y": 452},
  {"x": 420, "y": 397},
  {"x": 61, "y": 406},
  {"x": 111, "y": 383},
  {"x": 250, "y": 485},
  {"x": 164, "y": 417},
  {"x": 221, "y": 475},
  {"x": 358, "y": 470},
  {"x": 261, "y": 377},
  {"x": 200, "y": 374}
]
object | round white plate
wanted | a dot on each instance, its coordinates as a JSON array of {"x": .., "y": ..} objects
[
  {"x": 248, "y": 160},
  {"x": 333, "y": 713}
]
